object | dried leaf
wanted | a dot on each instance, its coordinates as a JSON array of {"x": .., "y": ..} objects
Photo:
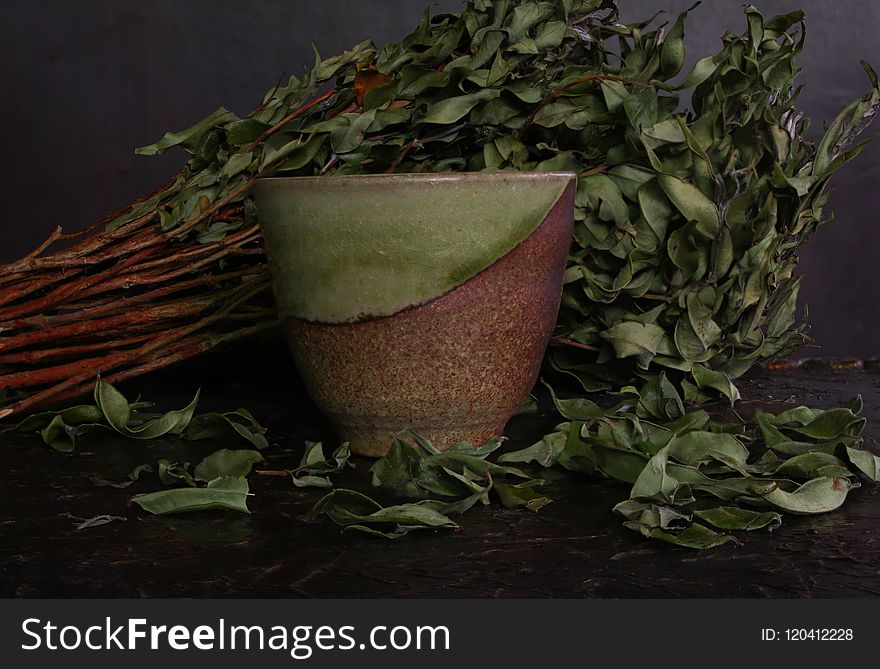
[
  {"x": 118, "y": 414},
  {"x": 227, "y": 493},
  {"x": 366, "y": 80},
  {"x": 355, "y": 511},
  {"x": 96, "y": 521},
  {"x": 314, "y": 468},
  {"x": 734, "y": 518},
  {"x": 188, "y": 138},
  {"x": 226, "y": 463}
]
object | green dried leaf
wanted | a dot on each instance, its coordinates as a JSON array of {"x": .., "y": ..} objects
[
  {"x": 867, "y": 464},
  {"x": 816, "y": 496},
  {"x": 545, "y": 452},
  {"x": 355, "y": 511},
  {"x": 641, "y": 109},
  {"x": 136, "y": 473},
  {"x": 692, "y": 204},
  {"x": 528, "y": 407},
  {"x": 226, "y": 462},
  {"x": 414, "y": 469},
  {"x": 522, "y": 495},
  {"x": 672, "y": 51},
  {"x": 222, "y": 494},
  {"x": 708, "y": 379},
  {"x": 580, "y": 408},
  {"x": 810, "y": 465},
  {"x": 734, "y": 518},
  {"x": 172, "y": 473},
  {"x": 59, "y": 436},
  {"x": 190, "y": 137},
  {"x": 454, "y": 109},
  {"x": 831, "y": 424},
  {"x": 118, "y": 414},
  {"x": 245, "y": 131},
  {"x": 655, "y": 482},
  {"x": 657, "y": 521},
  {"x": 293, "y": 153},
  {"x": 634, "y": 339},
  {"x": 236, "y": 164},
  {"x": 848, "y": 125},
  {"x": 315, "y": 467},
  {"x": 694, "y": 536},
  {"x": 96, "y": 521},
  {"x": 72, "y": 416},
  {"x": 238, "y": 424},
  {"x": 698, "y": 447}
]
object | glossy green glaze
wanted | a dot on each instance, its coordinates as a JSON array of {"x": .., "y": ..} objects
[{"x": 347, "y": 249}]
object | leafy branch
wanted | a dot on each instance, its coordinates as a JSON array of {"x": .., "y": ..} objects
[{"x": 681, "y": 273}]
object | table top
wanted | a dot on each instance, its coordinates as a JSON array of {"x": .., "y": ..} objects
[{"x": 575, "y": 547}]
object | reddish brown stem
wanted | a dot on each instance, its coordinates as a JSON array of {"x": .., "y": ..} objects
[
  {"x": 121, "y": 358},
  {"x": 22, "y": 288},
  {"x": 189, "y": 350},
  {"x": 66, "y": 291},
  {"x": 160, "y": 312},
  {"x": 183, "y": 352},
  {"x": 404, "y": 152},
  {"x": 136, "y": 278},
  {"x": 51, "y": 239},
  {"x": 80, "y": 255},
  {"x": 559, "y": 341},
  {"x": 42, "y": 355},
  {"x": 195, "y": 249},
  {"x": 599, "y": 169},
  {"x": 84, "y": 312},
  {"x": 287, "y": 119}
]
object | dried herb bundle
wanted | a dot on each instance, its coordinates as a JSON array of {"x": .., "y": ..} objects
[
  {"x": 687, "y": 221},
  {"x": 681, "y": 273}
]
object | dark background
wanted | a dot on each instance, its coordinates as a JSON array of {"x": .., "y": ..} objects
[{"x": 84, "y": 82}]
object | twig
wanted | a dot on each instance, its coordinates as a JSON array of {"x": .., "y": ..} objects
[
  {"x": 42, "y": 355},
  {"x": 404, "y": 152},
  {"x": 67, "y": 331},
  {"x": 51, "y": 239},
  {"x": 66, "y": 291},
  {"x": 84, "y": 311},
  {"x": 120, "y": 358},
  {"x": 180, "y": 353},
  {"x": 287, "y": 119},
  {"x": 559, "y": 341},
  {"x": 599, "y": 169}
]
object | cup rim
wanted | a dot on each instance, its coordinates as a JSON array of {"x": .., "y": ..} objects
[{"x": 484, "y": 175}]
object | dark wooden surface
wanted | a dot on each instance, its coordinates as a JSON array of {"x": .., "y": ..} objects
[{"x": 575, "y": 547}]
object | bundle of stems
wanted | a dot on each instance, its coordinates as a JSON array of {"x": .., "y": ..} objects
[
  {"x": 124, "y": 302},
  {"x": 125, "y": 296}
]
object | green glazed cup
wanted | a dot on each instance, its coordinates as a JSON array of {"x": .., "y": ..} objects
[{"x": 422, "y": 301}]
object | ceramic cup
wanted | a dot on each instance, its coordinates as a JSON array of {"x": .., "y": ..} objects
[{"x": 422, "y": 301}]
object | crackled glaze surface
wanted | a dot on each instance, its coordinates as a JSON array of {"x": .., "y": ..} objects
[
  {"x": 346, "y": 248},
  {"x": 454, "y": 368}
]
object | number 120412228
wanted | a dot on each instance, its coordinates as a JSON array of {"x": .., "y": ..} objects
[{"x": 807, "y": 634}]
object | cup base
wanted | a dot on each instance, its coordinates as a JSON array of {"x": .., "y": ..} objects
[{"x": 374, "y": 443}]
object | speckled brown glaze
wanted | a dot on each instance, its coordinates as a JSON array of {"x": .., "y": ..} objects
[{"x": 455, "y": 368}]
